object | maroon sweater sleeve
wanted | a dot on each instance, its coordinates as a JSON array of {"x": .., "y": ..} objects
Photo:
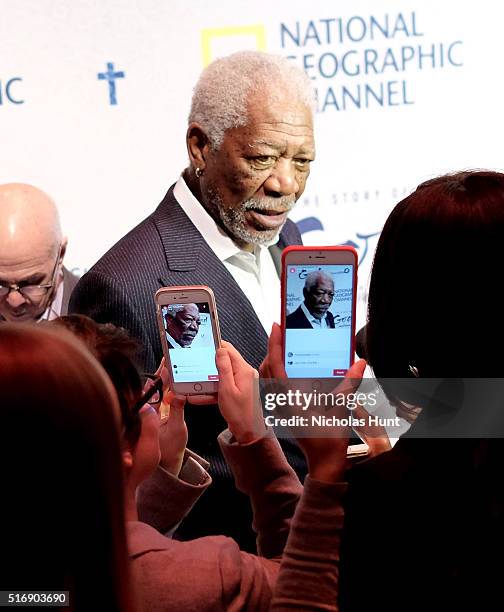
[
  {"x": 308, "y": 577},
  {"x": 261, "y": 471}
]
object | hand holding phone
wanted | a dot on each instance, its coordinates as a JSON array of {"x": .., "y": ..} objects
[
  {"x": 173, "y": 434},
  {"x": 317, "y": 446},
  {"x": 190, "y": 335},
  {"x": 326, "y": 455},
  {"x": 239, "y": 398},
  {"x": 272, "y": 365}
]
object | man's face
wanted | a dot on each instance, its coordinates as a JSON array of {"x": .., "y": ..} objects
[
  {"x": 319, "y": 297},
  {"x": 252, "y": 182},
  {"x": 184, "y": 326},
  {"x": 26, "y": 267}
]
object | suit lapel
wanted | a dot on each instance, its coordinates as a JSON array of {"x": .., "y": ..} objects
[
  {"x": 182, "y": 243},
  {"x": 276, "y": 256}
]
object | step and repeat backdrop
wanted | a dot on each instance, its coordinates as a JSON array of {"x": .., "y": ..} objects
[{"x": 94, "y": 97}]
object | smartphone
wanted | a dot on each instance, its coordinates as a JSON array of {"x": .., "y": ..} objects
[
  {"x": 189, "y": 328},
  {"x": 319, "y": 287}
]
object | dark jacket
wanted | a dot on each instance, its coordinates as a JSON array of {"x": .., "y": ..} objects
[
  {"x": 69, "y": 283},
  {"x": 297, "y": 320},
  {"x": 423, "y": 529}
]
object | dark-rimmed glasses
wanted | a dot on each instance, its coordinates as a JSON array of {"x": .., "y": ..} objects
[
  {"x": 32, "y": 292},
  {"x": 153, "y": 393}
]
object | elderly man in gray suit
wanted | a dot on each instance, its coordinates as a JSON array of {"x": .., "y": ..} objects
[
  {"x": 223, "y": 224},
  {"x": 34, "y": 284}
]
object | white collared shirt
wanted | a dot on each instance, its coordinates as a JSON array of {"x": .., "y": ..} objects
[
  {"x": 315, "y": 323},
  {"x": 176, "y": 345},
  {"x": 254, "y": 272}
]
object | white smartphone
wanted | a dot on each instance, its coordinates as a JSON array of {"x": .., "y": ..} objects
[
  {"x": 189, "y": 328},
  {"x": 318, "y": 310}
]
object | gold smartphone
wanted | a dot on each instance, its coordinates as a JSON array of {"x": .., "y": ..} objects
[{"x": 189, "y": 328}]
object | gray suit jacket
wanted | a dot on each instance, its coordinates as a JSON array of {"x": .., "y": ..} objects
[
  {"x": 69, "y": 283},
  {"x": 297, "y": 320},
  {"x": 166, "y": 249}
]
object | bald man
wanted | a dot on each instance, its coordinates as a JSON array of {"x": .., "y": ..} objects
[{"x": 34, "y": 285}]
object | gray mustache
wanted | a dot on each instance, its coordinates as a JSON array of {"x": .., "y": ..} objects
[{"x": 284, "y": 204}]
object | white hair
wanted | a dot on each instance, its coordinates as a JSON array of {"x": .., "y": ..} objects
[
  {"x": 221, "y": 94},
  {"x": 313, "y": 279},
  {"x": 174, "y": 309}
]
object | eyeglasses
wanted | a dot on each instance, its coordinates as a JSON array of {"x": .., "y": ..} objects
[
  {"x": 153, "y": 393},
  {"x": 32, "y": 292}
]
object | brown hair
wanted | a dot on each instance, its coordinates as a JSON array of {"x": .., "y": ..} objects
[
  {"x": 115, "y": 350},
  {"x": 62, "y": 515}
]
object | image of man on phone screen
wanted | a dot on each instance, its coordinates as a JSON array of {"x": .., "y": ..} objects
[
  {"x": 314, "y": 313},
  {"x": 182, "y": 325}
]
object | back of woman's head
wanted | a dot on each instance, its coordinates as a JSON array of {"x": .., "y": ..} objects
[
  {"x": 432, "y": 299},
  {"x": 62, "y": 521},
  {"x": 115, "y": 350},
  {"x": 433, "y": 305}
]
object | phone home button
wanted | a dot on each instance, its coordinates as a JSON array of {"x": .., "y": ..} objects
[{"x": 197, "y": 387}]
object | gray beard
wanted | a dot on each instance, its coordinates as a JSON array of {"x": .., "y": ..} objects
[{"x": 234, "y": 221}]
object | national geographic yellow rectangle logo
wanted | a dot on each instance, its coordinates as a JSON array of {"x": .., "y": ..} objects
[{"x": 243, "y": 35}]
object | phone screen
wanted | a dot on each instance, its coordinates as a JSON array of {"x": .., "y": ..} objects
[
  {"x": 318, "y": 321},
  {"x": 190, "y": 340}
]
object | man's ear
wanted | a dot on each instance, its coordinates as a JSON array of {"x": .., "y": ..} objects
[
  {"x": 198, "y": 145},
  {"x": 64, "y": 244}
]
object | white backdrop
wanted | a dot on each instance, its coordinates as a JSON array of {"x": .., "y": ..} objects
[{"x": 428, "y": 72}]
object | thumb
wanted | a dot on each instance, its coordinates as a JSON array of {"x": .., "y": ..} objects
[
  {"x": 225, "y": 369},
  {"x": 178, "y": 402},
  {"x": 275, "y": 353},
  {"x": 174, "y": 400},
  {"x": 353, "y": 377},
  {"x": 357, "y": 369}
]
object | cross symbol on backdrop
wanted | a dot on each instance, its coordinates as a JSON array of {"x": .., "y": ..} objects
[{"x": 111, "y": 76}]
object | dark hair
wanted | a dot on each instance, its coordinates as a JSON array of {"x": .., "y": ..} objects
[
  {"x": 432, "y": 306},
  {"x": 62, "y": 515},
  {"x": 115, "y": 350},
  {"x": 431, "y": 299}
]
